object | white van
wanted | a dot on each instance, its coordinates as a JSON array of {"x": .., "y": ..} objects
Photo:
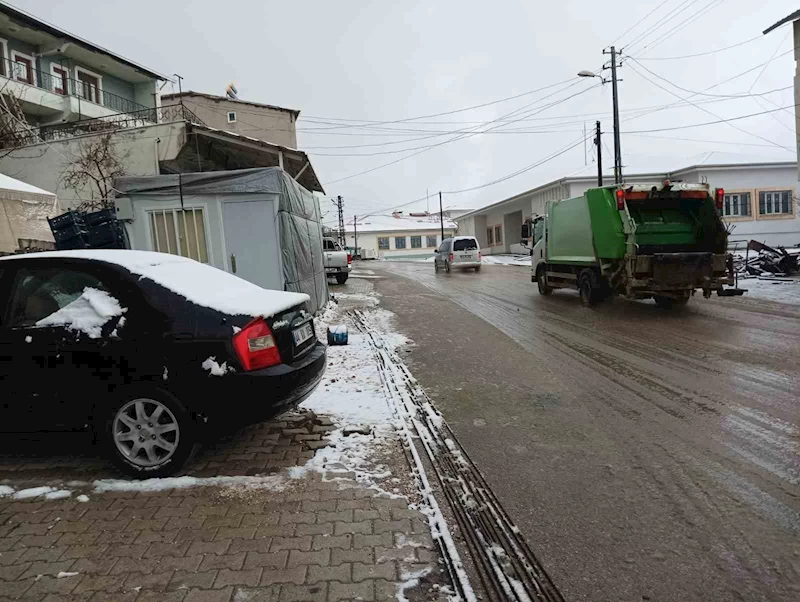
[{"x": 460, "y": 252}]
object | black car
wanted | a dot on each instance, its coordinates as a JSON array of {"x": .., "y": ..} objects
[{"x": 153, "y": 352}]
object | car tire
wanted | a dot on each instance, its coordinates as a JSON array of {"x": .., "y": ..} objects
[
  {"x": 541, "y": 282},
  {"x": 478, "y": 268},
  {"x": 435, "y": 267},
  {"x": 341, "y": 278},
  {"x": 174, "y": 434},
  {"x": 589, "y": 294},
  {"x": 447, "y": 266}
]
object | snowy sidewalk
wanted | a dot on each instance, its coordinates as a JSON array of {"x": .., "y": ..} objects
[{"x": 319, "y": 504}]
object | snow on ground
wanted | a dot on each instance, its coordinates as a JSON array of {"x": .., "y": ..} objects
[
  {"x": 88, "y": 313},
  {"x": 276, "y": 482},
  {"x": 522, "y": 260},
  {"x": 778, "y": 290}
]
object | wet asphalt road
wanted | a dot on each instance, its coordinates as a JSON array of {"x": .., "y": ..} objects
[{"x": 645, "y": 454}]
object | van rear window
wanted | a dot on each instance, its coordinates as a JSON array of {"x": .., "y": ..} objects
[{"x": 465, "y": 244}]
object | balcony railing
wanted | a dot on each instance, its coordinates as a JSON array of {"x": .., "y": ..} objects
[
  {"x": 59, "y": 83},
  {"x": 119, "y": 121}
]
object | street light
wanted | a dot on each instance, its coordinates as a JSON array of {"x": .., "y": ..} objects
[{"x": 617, "y": 147}]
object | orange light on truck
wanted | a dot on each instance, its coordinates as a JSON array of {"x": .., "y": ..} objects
[{"x": 620, "y": 199}]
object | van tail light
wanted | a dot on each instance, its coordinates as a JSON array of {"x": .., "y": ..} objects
[
  {"x": 349, "y": 259},
  {"x": 255, "y": 347},
  {"x": 620, "y": 199},
  {"x": 719, "y": 197},
  {"x": 479, "y": 255},
  {"x": 451, "y": 258}
]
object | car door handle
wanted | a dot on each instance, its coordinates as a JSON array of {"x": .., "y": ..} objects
[{"x": 233, "y": 262}]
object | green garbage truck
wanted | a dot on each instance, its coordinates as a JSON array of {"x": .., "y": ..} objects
[{"x": 662, "y": 241}]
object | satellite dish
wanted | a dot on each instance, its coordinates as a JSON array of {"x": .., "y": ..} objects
[{"x": 231, "y": 92}]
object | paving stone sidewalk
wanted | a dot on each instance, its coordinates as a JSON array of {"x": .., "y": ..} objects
[{"x": 308, "y": 535}]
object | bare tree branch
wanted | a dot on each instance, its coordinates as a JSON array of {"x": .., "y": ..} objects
[{"x": 94, "y": 167}]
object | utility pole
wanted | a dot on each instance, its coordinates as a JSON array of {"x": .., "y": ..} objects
[
  {"x": 599, "y": 143},
  {"x": 341, "y": 233},
  {"x": 355, "y": 236},
  {"x": 617, "y": 147},
  {"x": 441, "y": 214}
]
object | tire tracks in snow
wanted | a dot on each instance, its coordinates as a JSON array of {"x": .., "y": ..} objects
[{"x": 507, "y": 567}]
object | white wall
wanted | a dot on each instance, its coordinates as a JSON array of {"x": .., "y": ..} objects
[
  {"x": 369, "y": 240},
  {"x": 43, "y": 164},
  {"x": 773, "y": 230}
]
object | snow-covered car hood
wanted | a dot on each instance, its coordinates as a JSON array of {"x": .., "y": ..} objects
[{"x": 197, "y": 282}]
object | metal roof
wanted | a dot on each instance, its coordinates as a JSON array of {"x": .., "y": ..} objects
[{"x": 793, "y": 17}]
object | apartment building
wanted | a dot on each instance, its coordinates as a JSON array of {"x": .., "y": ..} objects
[{"x": 57, "y": 77}]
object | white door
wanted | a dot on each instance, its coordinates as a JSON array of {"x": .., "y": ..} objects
[{"x": 251, "y": 242}]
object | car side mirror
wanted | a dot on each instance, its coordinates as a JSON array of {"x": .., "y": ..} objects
[{"x": 436, "y": 251}]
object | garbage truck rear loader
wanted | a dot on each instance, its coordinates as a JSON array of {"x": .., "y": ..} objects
[{"x": 662, "y": 241}]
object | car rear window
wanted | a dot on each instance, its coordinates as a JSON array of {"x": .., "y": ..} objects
[{"x": 465, "y": 244}]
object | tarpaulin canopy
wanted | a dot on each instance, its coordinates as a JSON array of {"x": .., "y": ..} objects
[{"x": 298, "y": 217}]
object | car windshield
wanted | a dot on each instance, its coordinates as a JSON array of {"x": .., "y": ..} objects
[{"x": 465, "y": 244}]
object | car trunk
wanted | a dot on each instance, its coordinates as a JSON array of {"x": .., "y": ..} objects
[
  {"x": 293, "y": 331},
  {"x": 465, "y": 250}
]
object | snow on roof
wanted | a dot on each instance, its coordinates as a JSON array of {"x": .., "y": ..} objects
[
  {"x": 197, "y": 282},
  {"x": 9, "y": 183},
  {"x": 382, "y": 223}
]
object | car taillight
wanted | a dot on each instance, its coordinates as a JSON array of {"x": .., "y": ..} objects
[
  {"x": 479, "y": 255},
  {"x": 349, "y": 259},
  {"x": 255, "y": 347},
  {"x": 620, "y": 199},
  {"x": 451, "y": 258},
  {"x": 720, "y": 197}
]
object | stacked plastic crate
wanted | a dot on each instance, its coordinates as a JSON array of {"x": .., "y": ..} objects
[
  {"x": 69, "y": 231},
  {"x": 96, "y": 230}
]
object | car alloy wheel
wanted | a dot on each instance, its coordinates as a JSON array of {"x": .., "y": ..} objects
[{"x": 146, "y": 432}]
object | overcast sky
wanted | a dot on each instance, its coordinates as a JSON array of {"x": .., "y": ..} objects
[{"x": 360, "y": 62}]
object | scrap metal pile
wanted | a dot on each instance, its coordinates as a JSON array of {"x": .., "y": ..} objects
[{"x": 763, "y": 260}]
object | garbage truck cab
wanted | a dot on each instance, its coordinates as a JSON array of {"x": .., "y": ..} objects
[{"x": 662, "y": 241}]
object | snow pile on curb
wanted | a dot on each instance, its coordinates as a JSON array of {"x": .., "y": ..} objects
[{"x": 519, "y": 260}]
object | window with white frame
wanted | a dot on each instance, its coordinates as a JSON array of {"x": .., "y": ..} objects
[
  {"x": 498, "y": 235},
  {"x": 90, "y": 85},
  {"x": 775, "y": 202},
  {"x": 180, "y": 232},
  {"x": 58, "y": 76},
  {"x": 736, "y": 204},
  {"x": 399, "y": 242},
  {"x": 383, "y": 243},
  {"x": 231, "y": 116},
  {"x": 416, "y": 242},
  {"x": 489, "y": 240},
  {"x": 430, "y": 241}
]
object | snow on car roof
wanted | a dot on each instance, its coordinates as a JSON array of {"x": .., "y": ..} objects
[{"x": 199, "y": 283}]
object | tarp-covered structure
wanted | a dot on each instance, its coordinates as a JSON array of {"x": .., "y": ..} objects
[
  {"x": 24, "y": 210},
  {"x": 278, "y": 232}
]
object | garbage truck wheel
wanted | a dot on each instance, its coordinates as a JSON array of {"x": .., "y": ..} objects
[
  {"x": 541, "y": 281},
  {"x": 589, "y": 294}
]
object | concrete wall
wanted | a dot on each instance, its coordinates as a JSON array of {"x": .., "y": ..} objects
[
  {"x": 369, "y": 241},
  {"x": 43, "y": 164},
  {"x": 270, "y": 125}
]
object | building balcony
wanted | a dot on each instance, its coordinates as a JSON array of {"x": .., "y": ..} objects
[
  {"x": 54, "y": 96},
  {"x": 17, "y": 137}
]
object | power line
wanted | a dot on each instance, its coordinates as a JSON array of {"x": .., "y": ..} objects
[
  {"x": 692, "y": 18},
  {"x": 685, "y": 4},
  {"x": 638, "y": 22},
  {"x": 467, "y": 133},
  {"x": 697, "y": 106},
  {"x": 699, "y": 140},
  {"x": 697, "y": 125},
  {"x": 691, "y": 56}
]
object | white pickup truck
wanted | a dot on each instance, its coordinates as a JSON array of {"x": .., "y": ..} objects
[{"x": 337, "y": 262}]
